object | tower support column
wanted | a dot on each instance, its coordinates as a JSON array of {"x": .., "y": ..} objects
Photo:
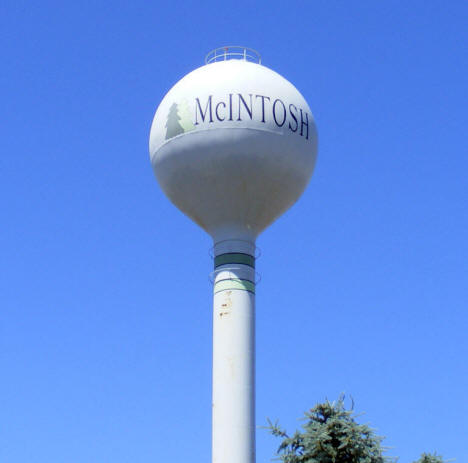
[{"x": 233, "y": 413}]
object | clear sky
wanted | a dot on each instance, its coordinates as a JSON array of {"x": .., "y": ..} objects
[{"x": 105, "y": 299}]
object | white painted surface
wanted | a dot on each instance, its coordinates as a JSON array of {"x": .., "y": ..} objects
[
  {"x": 233, "y": 177},
  {"x": 233, "y": 432},
  {"x": 233, "y": 145}
]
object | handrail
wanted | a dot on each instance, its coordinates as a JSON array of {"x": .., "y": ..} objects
[{"x": 233, "y": 52}]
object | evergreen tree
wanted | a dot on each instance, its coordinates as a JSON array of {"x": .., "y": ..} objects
[
  {"x": 172, "y": 124},
  {"x": 428, "y": 458},
  {"x": 330, "y": 435}
]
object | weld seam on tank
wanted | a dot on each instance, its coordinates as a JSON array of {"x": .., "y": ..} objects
[{"x": 210, "y": 129}]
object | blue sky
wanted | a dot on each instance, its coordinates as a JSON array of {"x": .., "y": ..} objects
[{"x": 105, "y": 332}]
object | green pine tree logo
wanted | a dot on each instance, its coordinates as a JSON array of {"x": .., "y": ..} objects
[
  {"x": 172, "y": 125},
  {"x": 185, "y": 116}
]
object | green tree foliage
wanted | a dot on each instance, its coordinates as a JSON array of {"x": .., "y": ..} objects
[
  {"x": 330, "y": 435},
  {"x": 430, "y": 458}
]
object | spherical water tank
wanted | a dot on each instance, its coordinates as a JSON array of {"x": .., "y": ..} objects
[{"x": 233, "y": 145}]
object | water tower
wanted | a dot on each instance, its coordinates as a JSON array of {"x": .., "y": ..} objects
[{"x": 233, "y": 145}]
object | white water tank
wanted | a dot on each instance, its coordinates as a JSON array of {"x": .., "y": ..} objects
[{"x": 233, "y": 145}]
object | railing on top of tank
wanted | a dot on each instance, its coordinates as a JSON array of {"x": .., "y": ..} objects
[{"x": 233, "y": 52}]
